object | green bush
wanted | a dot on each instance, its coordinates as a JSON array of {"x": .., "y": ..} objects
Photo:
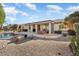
[
  {"x": 77, "y": 28},
  {"x": 75, "y": 41}
]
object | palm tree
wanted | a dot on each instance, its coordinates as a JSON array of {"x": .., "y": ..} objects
[
  {"x": 2, "y": 15},
  {"x": 72, "y": 18}
]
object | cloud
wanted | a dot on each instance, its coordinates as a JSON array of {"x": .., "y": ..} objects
[
  {"x": 18, "y": 4},
  {"x": 11, "y": 19},
  {"x": 14, "y": 11},
  {"x": 10, "y": 13},
  {"x": 54, "y": 7},
  {"x": 3, "y": 4},
  {"x": 23, "y": 13},
  {"x": 10, "y": 10},
  {"x": 73, "y": 8},
  {"x": 31, "y": 6}
]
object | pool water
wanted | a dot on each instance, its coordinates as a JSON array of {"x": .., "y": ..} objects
[{"x": 5, "y": 36}]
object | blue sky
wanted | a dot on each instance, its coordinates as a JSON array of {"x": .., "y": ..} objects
[{"x": 19, "y": 13}]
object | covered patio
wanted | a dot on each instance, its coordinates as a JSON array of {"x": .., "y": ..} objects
[{"x": 40, "y": 27}]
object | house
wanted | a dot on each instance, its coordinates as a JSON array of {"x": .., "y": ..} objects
[
  {"x": 13, "y": 27},
  {"x": 47, "y": 26}
]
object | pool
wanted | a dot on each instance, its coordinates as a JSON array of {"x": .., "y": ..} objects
[{"x": 6, "y": 35}]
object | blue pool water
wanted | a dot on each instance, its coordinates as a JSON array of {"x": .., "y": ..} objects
[{"x": 5, "y": 36}]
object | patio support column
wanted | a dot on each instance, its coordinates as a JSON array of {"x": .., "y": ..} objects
[
  {"x": 22, "y": 27},
  {"x": 36, "y": 28},
  {"x": 31, "y": 28},
  {"x": 40, "y": 27},
  {"x": 28, "y": 27},
  {"x": 50, "y": 28}
]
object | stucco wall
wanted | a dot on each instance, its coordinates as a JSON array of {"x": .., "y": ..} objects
[{"x": 56, "y": 27}]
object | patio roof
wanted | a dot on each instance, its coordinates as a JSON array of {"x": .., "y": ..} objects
[{"x": 46, "y": 21}]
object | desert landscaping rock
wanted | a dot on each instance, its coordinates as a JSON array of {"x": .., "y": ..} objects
[{"x": 36, "y": 48}]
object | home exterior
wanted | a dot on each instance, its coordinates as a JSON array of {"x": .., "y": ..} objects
[
  {"x": 13, "y": 27},
  {"x": 47, "y": 26}
]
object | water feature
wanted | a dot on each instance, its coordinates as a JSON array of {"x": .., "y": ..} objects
[{"x": 6, "y": 35}]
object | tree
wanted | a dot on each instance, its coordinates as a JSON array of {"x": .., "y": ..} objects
[
  {"x": 2, "y": 15},
  {"x": 74, "y": 45},
  {"x": 74, "y": 40},
  {"x": 72, "y": 18}
]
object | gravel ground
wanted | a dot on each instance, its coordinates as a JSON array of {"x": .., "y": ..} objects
[{"x": 35, "y": 48}]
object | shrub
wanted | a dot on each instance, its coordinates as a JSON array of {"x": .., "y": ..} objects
[
  {"x": 71, "y": 32},
  {"x": 64, "y": 34},
  {"x": 77, "y": 28},
  {"x": 74, "y": 43},
  {"x": 25, "y": 30},
  {"x": 58, "y": 32}
]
